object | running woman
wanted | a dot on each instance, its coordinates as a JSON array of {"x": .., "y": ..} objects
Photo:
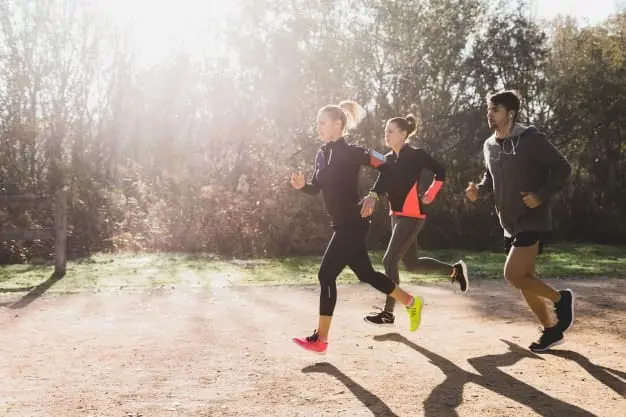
[
  {"x": 523, "y": 171},
  {"x": 400, "y": 183},
  {"x": 337, "y": 166}
]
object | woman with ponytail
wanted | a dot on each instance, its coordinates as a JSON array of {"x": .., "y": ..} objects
[
  {"x": 400, "y": 182},
  {"x": 337, "y": 166}
]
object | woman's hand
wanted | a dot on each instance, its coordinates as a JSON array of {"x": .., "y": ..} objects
[
  {"x": 297, "y": 180},
  {"x": 368, "y": 204}
]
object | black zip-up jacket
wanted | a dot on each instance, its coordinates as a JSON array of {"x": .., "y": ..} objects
[
  {"x": 403, "y": 175},
  {"x": 337, "y": 166}
]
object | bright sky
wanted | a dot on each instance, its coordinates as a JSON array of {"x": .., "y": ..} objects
[
  {"x": 593, "y": 10},
  {"x": 158, "y": 26}
]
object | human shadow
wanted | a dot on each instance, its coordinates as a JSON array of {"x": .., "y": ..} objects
[
  {"x": 371, "y": 401},
  {"x": 447, "y": 396},
  {"x": 607, "y": 376}
]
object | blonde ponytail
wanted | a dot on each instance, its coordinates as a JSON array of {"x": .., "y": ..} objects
[
  {"x": 348, "y": 112},
  {"x": 354, "y": 113}
]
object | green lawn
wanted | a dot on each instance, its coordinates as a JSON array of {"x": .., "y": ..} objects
[{"x": 145, "y": 270}]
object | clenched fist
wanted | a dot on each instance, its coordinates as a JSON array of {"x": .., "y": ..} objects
[
  {"x": 531, "y": 199},
  {"x": 471, "y": 192}
]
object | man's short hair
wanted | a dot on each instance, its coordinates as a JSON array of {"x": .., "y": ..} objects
[{"x": 509, "y": 99}]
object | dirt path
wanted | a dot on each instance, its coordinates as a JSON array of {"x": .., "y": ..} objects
[{"x": 226, "y": 352}]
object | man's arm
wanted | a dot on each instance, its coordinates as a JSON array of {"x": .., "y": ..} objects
[
  {"x": 558, "y": 167},
  {"x": 486, "y": 182}
]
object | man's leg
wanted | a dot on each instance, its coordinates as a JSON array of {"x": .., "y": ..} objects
[
  {"x": 519, "y": 270},
  {"x": 523, "y": 261},
  {"x": 540, "y": 309}
]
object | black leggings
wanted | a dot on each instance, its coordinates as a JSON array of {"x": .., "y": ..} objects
[{"x": 347, "y": 247}]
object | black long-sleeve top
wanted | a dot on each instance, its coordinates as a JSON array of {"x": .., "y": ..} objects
[
  {"x": 400, "y": 180},
  {"x": 337, "y": 166}
]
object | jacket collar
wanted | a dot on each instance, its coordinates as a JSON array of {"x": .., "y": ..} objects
[
  {"x": 403, "y": 150},
  {"x": 339, "y": 143}
]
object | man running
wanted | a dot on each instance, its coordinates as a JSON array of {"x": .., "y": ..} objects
[{"x": 524, "y": 170}]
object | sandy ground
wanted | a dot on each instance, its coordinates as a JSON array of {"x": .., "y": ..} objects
[{"x": 227, "y": 352}]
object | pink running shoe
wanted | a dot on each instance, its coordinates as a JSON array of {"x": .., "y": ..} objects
[{"x": 312, "y": 343}]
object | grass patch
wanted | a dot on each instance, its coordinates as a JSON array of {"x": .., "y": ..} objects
[{"x": 167, "y": 270}]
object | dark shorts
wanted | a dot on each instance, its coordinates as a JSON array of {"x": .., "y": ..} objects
[{"x": 524, "y": 239}]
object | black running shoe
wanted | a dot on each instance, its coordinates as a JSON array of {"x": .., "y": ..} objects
[
  {"x": 460, "y": 275},
  {"x": 565, "y": 310},
  {"x": 383, "y": 319},
  {"x": 549, "y": 338}
]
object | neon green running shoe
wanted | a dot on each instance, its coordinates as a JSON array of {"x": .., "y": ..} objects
[{"x": 415, "y": 313}]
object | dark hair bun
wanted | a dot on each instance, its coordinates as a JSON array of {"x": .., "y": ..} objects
[{"x": 411, "y": 122}]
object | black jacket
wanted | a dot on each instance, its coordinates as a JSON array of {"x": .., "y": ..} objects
[
  {"x": 403, "y": 174},
  {"x": 336, "y": 175}
]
